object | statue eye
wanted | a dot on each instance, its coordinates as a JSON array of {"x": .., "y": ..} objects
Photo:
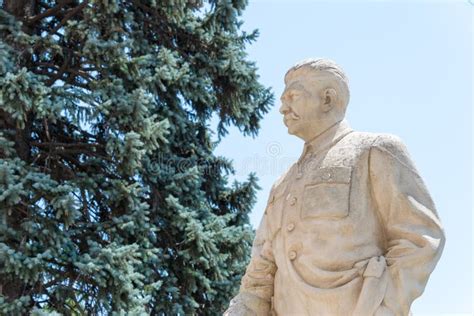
[
  {"x": 294, "y": 96},
  {"x": 286, "y": 98},
  {"x": 291, "y": 96}
]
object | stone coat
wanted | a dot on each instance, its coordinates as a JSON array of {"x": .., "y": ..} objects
[{"x": 350, "y": 229}]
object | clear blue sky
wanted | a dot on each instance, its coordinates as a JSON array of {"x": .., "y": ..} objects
[{"x": 410, "y": 70}]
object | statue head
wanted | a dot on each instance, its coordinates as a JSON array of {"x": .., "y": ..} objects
[{"x": 315, "y": 97}]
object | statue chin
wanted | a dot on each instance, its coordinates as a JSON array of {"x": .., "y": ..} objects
[
  {"x": 292, "y": 130},
  {"x": 294, "y": 133}
]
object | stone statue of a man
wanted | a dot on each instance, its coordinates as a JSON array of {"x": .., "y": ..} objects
[{"x": 350, "y": 228}]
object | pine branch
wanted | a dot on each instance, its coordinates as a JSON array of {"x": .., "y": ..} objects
[
  {"x": 49, "y": 12},
  {"x": 69, "y": 15}
]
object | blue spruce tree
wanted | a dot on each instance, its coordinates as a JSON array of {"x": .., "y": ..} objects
[{"x": 111, "y": 198}]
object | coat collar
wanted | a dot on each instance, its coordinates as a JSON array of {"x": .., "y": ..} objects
[{"x": 326, "y": 139}]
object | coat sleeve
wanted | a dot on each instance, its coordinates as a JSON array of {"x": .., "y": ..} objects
[
  {"x": 413, "y": 232},
  {"x": 256, "y": 290}
]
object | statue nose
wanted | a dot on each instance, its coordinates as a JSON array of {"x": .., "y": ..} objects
[{"x": 284, "y": 109}]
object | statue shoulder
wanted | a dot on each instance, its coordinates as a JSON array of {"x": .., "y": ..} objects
[
  {"x": 279, "y": 184},
  {"x": 388, "y": 142},
  {"x": 360, "y": 140},
  {"x": 389, "y": 145}
]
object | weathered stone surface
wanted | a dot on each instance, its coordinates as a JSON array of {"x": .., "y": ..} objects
[{"x": 350, "y": 228}]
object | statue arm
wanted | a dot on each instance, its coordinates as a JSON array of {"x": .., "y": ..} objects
[
  {"x": 256, "y": 290},
  {"x": 413, "y": 233}
]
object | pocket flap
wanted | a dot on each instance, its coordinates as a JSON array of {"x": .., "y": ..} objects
[{"x": 332, "y": 175}]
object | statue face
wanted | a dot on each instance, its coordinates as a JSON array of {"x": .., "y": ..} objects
[{"x": 302, "y": 106}]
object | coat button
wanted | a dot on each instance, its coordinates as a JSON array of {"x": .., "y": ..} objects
[
  {"x": 292, "y": 255},
  {"x": 293, "y": 201},
  {"x": 290, "y": 227},
  {"x": 326, "y": 176}
]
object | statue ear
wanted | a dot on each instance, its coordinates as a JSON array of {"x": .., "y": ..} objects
[{"x": 329, "y": 99}]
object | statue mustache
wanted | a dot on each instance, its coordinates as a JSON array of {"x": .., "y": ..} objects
[{"x": 293, "y": 116}]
